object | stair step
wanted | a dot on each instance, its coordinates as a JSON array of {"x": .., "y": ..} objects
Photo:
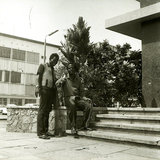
[
  {"x": 134, "y": 111},
  {"x": 130, "y": 125},
  {"x": 128, "y": 119},
  {"x": 142, "y": 127},
  {"x": 136, "y": 117},
  {"x": 123, "y": 137}
]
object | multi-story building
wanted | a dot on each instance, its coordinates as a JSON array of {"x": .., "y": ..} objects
[{"x": 19, "y": 61}]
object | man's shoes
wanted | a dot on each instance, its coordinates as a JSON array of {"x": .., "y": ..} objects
[
  {"x": 44, "y": 136},
  {"x": 85, "y": 129},
  {"x": 50, "y": 134},
  {"x": 76, "y": 135},
  {"x": 89, "y": 129}
]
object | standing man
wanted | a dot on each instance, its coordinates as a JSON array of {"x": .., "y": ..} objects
[
  {"x": 74, "y": 98},
  {"x": 48, "y": 94}
]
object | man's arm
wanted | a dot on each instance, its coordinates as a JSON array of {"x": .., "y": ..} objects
[
  {"x": 60, "y": 81},
  {"x": 39, "y": 79},
  {"x": 82, "y": 92},
  {"x": 81, "y": 89},
  {"x": 40, "y": 75}
]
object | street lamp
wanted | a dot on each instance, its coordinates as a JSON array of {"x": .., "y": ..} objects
[{"x": 45, "y": 43}]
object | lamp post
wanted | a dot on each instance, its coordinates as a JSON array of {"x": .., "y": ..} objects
[{"x": 45, "y": 43}]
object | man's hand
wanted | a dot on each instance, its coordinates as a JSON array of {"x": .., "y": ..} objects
[
  {"x": 72, "y": 100},
  {"x": 60, "y": 81},
  {"x": 37, "y": 91},
  {"x": 87, "y": 99}
]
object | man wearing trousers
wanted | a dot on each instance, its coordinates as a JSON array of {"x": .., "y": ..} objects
[
  {"x": 74, "y": 98},
  {"x": 48, "y": 95}
]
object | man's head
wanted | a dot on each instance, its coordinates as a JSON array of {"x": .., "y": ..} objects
[
  {"x": 73, "y": 68},
  {"x": 53, "y": 59}
]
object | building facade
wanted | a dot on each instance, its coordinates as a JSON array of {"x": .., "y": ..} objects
[{"x": 19, "y": 61}]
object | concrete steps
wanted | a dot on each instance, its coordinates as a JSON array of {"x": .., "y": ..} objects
[
  {"x": 129, "y": 119},
  {"x": 131, "y": 125},
  {"x": 134, "y": 111},
  {"x": 139, "y": 129},
  {"x": 122, "y": 137}
]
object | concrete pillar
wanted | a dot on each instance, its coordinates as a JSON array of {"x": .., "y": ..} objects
[
  {"x": 23, "y": 102},
  {"x": 150, "y": 58},
  {"x": 60, "y": 114},
  {"x": 60, "y": 121},
  {"x": 151, "y": 62},
  {"x": 8, "y": 100}
]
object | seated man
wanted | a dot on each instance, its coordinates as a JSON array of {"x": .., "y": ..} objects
[{"x": 74, "y": 99}]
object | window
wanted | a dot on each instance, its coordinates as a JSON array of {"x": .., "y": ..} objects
[
  {"x": 30, "y": 101},
  {"x": 5, "y": 52},
  {"x": 3, "y": 101},
  {"x": 15, "y": 77},
  {"x": 33, "y": 57},
  {"x": 18, "y": 54},
  {"x": 16, "y": 101},
  {"x": 6, "y": 78}
]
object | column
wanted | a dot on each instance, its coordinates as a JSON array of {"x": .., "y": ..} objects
[{"x": 151, "y": 62}]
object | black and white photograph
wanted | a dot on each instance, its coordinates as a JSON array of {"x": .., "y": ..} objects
[{"x": 79, "y": 79}]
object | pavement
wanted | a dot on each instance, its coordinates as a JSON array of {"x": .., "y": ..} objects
[{"x": 27, "y": 146}]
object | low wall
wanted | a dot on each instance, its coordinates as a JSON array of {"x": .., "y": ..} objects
[{"x": 22, "y": 118}]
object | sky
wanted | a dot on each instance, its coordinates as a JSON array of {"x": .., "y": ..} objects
[{"x": 34, "y": 19}]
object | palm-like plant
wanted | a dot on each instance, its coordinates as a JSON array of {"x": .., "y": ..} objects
[{"x": 77, "y": 44}]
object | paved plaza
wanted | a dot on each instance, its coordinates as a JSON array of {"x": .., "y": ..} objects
[{"x": 26, "y": 146}]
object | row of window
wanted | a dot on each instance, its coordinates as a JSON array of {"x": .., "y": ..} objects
[
  {"x": 16, "y": 101},
  {"x": 30, "y": 57},
  {"x": 16, "y": 77},
  {"x": 3, "y": 101}
]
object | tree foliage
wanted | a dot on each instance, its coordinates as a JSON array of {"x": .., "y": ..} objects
[
  {"x": 77, "y": 44},
  {"x": 113, "y": 74},
  {"x": 109, "y": 73}
]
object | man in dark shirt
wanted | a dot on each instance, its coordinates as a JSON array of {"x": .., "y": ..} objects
[
  {"x": 48, "y": 94},
  {"x": 74, "y": 98}
]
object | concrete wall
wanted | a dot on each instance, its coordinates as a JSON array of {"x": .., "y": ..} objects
[
  {"x": 24, "y": 119},
  {"x": 151, "y": 61},
  {"x": 145, "y": 3}
]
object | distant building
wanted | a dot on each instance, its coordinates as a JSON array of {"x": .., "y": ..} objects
[{"x": 19, "y": 61}]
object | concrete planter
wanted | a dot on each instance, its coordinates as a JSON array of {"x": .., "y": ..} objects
[{"x": 24, "y": 119}]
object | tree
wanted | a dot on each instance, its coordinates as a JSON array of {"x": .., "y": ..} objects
[
  {"x": 77, "y": 44},
  {"x": 113, "y": 73},
  {"x": 128, "y": 75},
  {"x": 108, "y": 73},
  {"x": 97, "y": 78}
]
